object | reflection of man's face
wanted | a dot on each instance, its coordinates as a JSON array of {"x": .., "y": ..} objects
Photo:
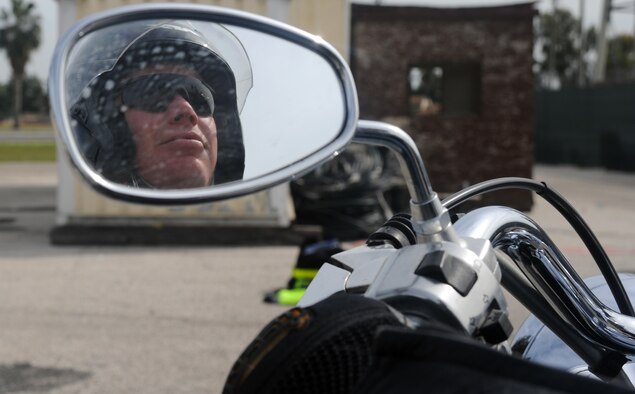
[{"x": 175, "y": 148}]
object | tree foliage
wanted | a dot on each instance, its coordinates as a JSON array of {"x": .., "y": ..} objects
[
  {"x": 5, "y": 99},
  {"x": 620, "y": 63},
  {"x": 19, "y": 35},
  {"x": 34, "y": 97},
  {"x": 559, "y": 45}
]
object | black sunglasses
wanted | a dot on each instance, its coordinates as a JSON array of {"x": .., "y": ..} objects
[{"x": 155, "y": 92}]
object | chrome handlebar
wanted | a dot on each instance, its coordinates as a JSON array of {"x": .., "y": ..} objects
[
  {"x": 535, "y": 254},
  {"x": 429, "y": 216},
  {"x": 592, "y": 328}
]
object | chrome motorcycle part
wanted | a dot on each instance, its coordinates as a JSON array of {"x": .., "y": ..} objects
[
  {"x": 595, "y": 356},
  {"x": 535, "y": 341},
  {"x": 429, "y": 216},
  {"x": 524, "y": 242},
  {"x": 461, "y": 281},
  {"x": 459, "y": 277},
  {"x": 318, "y": 84},
  {"x": 568, "y": 212}
]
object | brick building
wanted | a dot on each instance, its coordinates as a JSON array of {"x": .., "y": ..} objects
[{"x": 459, "y": 80}]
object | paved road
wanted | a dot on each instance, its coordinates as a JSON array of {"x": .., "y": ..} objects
[
  {"x": 26, "y": 135},
  {"x": 172, "y": 320},
  {"x": 121, "y": 319}
]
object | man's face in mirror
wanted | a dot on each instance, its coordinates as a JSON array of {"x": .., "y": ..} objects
[{"x": 176, "y": 141}]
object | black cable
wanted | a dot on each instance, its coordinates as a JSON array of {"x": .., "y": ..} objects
[{"x": 569, "y": 213}]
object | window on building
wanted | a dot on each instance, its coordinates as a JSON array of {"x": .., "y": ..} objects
[{"x": 448, "y": 89}]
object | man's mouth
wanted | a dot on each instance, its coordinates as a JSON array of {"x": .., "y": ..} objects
[{"x": 186, "y": 136}]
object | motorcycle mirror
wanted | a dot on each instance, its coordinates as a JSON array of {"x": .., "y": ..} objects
[{"x": 174, "y": 103}]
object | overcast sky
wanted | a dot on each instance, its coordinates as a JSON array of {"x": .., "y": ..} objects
[{"x": 620, "y": 22}]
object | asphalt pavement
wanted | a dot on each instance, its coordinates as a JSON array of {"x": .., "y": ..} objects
[
  {"x": 108, "y": 319},
  {"x": 26, "y": 135}
]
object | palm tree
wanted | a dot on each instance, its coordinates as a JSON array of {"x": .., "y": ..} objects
[{"x": 19, "y": 35}]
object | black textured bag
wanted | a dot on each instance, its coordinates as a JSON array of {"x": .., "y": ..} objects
[
  {"x": 325, "y": 348},
  {"x": 352, "y": 344}
]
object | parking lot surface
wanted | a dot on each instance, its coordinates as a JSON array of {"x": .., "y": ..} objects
[{"x": 88, "y": 319}]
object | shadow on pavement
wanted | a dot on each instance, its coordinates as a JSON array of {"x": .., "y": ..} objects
[{"x": 26, "y": 377}]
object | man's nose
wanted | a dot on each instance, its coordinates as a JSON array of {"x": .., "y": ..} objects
[{"x": 180, "y": 110}]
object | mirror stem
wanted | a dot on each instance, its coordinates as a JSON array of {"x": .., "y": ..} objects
[{"x": 429, "y": 216}]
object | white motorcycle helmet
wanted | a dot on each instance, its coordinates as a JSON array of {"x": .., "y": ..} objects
[{"x": 103, "y": 59}]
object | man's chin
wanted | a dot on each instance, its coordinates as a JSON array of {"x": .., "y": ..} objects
[
  {"x": 177, "y": 184},
  {"x": 187, "y": 174}
]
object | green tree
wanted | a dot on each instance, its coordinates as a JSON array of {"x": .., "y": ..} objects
[
  {"x": 19, "y": 35},
  {"x": 559, "y": 43},
  {"x": 620, "y": 64},
  {"x": 34, "y": 98},
  {"x": 5, "y": 99}
]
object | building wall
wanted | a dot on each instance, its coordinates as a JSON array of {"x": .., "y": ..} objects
[
  {"x": 329, "y": 19},
  {"x": 494, "y": 141},
  {"x": 86, "y": 7},
  {"x": 326, "y": 18}
]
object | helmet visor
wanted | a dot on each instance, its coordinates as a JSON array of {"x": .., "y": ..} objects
[{"x": 154, "y": 93}]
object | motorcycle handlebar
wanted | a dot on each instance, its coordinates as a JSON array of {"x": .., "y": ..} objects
[{"x": 534, "y": 253}]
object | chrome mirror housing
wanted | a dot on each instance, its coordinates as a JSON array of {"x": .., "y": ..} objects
[{"x": 174, "y": 103}]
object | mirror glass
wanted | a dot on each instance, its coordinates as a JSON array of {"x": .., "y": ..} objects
[{"x": 178, "y": 104}]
